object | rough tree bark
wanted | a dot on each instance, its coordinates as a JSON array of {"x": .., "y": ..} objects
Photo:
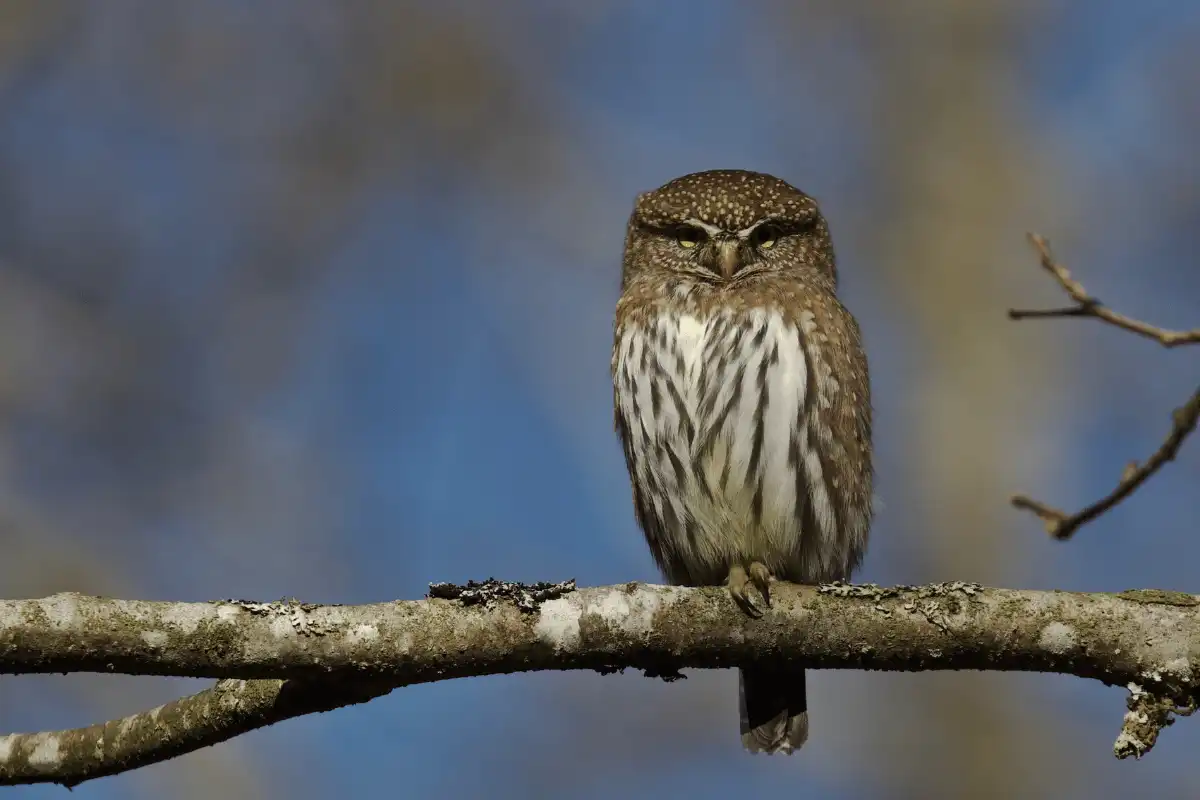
[{"x": 283, "y": 659}]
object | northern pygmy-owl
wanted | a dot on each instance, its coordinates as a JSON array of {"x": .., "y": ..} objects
[{"x": 742, "y": 402}]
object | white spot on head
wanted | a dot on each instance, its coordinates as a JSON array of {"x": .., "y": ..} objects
[
  {"x": 558, "y": 622},
  {"x": 6, "y": 747},
  {"x": 154, "y": 638},
  {"x": 1058, "y": 638}
]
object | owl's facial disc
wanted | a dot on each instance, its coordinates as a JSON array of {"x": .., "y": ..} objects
[
  {"x": 733, "y": 251},
  {"x": 725, "y": 252}
]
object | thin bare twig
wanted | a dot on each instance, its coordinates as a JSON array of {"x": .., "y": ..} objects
[
  {"x": 1059, "y": 523},
  {"x": 1062, "y": 525},
  {"x": 1088, "y": 306}
]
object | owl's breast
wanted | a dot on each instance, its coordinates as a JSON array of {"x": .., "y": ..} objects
[{"x": 714, "y": 412}]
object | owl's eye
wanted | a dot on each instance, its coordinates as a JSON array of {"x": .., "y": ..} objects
[
  {"x": 688, "y": 236},
  {"x": 764, "y": 236}
]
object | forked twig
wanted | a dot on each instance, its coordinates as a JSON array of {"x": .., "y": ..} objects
[
  {"x": 1060, "y": 524},
  {"x": 1088, "y": 306}
]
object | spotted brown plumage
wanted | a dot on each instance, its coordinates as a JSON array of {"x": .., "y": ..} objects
[{"x": 743, "y": 405}]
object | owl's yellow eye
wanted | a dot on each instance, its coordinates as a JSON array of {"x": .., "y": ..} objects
[
  {"x": 688, "y": 236},
  {"x": 764, "y": 236}
]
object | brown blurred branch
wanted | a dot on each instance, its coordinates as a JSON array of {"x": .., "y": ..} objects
[
  {"x": 1059, "y": 523},
  {"x": 1088, "y": 306},
  {"x": 1062, "y": 525},
  {"x": 285, "y": 659}
]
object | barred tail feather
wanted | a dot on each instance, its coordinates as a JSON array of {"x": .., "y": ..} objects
[{"x": 774, "y": 709}]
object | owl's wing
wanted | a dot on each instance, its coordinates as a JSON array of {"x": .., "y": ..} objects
[
  {"x": 659, "y": 529},
  {"x": 838, "y": 424}
]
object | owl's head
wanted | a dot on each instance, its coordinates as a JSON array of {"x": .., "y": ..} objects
[{"x": 727, "y": 227}]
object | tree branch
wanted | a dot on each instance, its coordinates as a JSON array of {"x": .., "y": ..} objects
[
  {"x": 229, "y": 709},
  {"x": 1059, "y": 523},
  {"x": 1062, "y": 525},
  {"x": 1088, "y": 306},
  {"x": 284, "y": 659}
]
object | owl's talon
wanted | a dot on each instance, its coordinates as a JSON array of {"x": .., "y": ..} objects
[
  {"x": 737, "y": 582},
  {"x": 760, "y": 576}
]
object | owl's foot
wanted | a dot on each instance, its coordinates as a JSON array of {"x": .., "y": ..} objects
[
  {"x": 760, "y": 576},
  {"x": 741, "y": 578}
]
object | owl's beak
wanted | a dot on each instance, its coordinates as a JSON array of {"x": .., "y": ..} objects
[{"x": 729, "y": 257}]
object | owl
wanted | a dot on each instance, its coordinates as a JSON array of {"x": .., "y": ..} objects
[{"x": 743, "y": 406}]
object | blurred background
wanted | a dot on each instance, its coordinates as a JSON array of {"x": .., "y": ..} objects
[{"x": 315, "y": 299}]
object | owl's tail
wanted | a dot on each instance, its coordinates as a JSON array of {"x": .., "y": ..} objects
[{"x": 774, "y": 709}]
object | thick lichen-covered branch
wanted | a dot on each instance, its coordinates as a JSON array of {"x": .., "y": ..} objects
[{"x": 283, "y": 659}]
